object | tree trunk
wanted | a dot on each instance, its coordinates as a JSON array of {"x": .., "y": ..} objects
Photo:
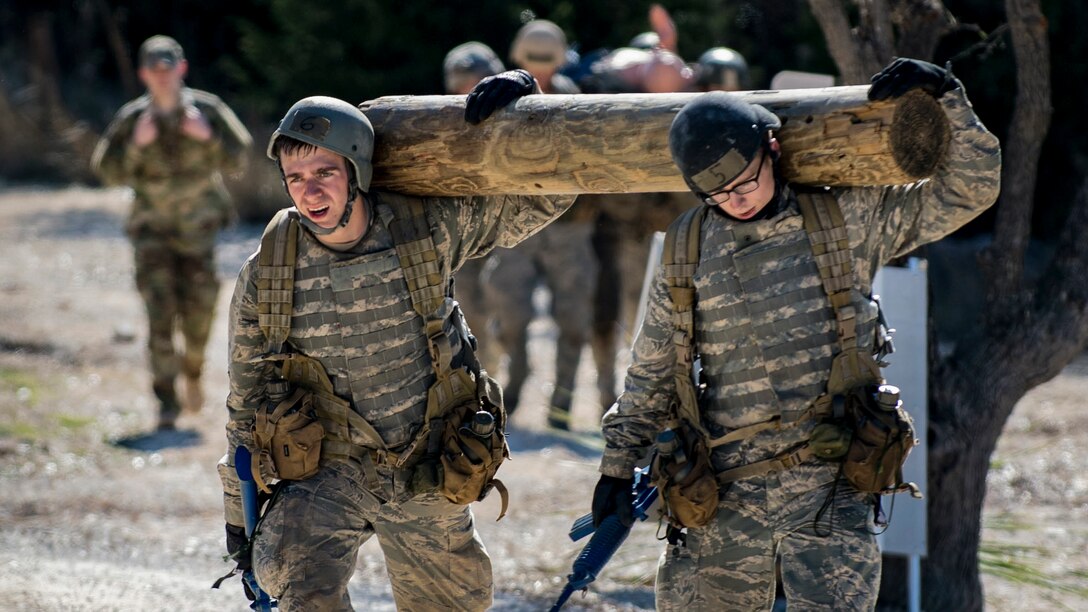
[
  {"x": 1030, "y": 337},
  {"x": 619, "y": 143},
  {"x": 921, "y": 24},
  {"x": 1004, "y": 261},
  {"x": 886, "y": 28},
  {"x": 835, "y": 23}
]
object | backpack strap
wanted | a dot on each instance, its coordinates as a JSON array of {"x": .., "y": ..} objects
[
  {"x": 679, "y": 259},
  {"x": 276, "y": 278},
  {"x": 826, "y": 229},
  {"x": 418, "y": 257}
]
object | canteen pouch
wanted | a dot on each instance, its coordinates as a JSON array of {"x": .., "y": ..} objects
[
  {"x": 289, "y": 436},
  {"x": 469, "y": 461},
  {"x": 883, "y": 436},
  {"x": 687, "y": 481}
]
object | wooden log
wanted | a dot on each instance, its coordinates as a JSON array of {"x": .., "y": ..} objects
[{"x": 619, "y": 143}]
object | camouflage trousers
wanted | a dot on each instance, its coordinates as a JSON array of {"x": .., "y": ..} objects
[
  {"x": 828, "y": 555},
  {"x": 179, "y": 289},
  {"x": 561, "y": 257},
  {"x": 305, "y": 547}
]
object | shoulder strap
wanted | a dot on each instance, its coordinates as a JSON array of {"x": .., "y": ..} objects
[
  {"x": 679, "y": 259},
  {"x": 276, "y": 278},
  {"x": 826, "y": 229},
  {"x": 418, "y": 258}
]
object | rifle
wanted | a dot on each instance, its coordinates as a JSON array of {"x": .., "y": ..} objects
[
  {"x": 606, "y": 539},
  {"x": 243, "y": 465}
]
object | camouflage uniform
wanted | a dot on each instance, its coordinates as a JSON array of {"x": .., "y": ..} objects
[
  {"x": 353, "y": 313},
  {"x": 766, "y": 332},
  {"x": 180, "y": 204},
  {"x": 562, "y": 258}
]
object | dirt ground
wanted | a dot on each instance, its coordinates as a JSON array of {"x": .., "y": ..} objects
[{"x": 88, "y": 523}]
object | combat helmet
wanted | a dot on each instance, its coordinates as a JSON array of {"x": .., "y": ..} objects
[
  {"x": 715, "y": 66},
  {"x": 469, "y": 62},
  {"x": 715, "y": 136},
  {"x": 335, "y": 125},
  {"x": 541, "y": 43},
  {"x": 645, "y": 40}
]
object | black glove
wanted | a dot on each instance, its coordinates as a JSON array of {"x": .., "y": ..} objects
[
  {"x": 904, "y": 74},
  {"x": 238, "y": 547},
  {"x": 613, "y": 496},
  {"x": 496, "y": 92}
]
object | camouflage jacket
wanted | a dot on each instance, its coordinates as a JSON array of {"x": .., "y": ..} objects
[
  {"x": 352, "y": 313},
  {"x": 177, "y": 181},
  {"x": 764, "y": 326}
]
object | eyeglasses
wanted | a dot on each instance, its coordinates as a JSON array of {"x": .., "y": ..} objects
[{"x": 721, "y": 197}]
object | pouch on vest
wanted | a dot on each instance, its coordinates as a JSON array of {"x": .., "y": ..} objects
[
  {"x": 681, "y": 470},
  {"x": 883, "y": 436},
  {"x": 288, "y": 434},
  {"x": 473, "y": 448},
  {"x": 862, "y": 409}
]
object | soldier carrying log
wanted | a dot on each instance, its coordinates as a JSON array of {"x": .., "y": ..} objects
[
  {"x": 354, "y": 380},
  {"x": 760, "y": 350}
]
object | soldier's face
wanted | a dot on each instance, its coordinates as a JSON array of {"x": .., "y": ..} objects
[
  {"x": 317, "y": 182},
  {"x": 759, "y": 172},
  {"x": 163, "y": 80}
]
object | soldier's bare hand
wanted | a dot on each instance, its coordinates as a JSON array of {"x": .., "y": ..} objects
[
  {"x": 145, "y": 131},
  {"x": 195, "y": 125}
]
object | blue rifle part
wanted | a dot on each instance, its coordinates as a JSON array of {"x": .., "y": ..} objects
[
  {"x": 607, "y": 538},
  {"x": 243, "y": 466}
]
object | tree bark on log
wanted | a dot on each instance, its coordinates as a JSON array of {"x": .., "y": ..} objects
[{"x": 619, "y": 143}]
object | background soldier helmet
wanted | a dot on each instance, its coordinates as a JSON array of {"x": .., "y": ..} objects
[
  {"x": 539, "y": 42},
  {"x": 334, "y": 125},
  {"x": 469, "y": 62},
  {"x": 717, "y": 64},
  {"x": 160, "y": 49},
  {"x": 645, "y": 40},
  {"x": 715, "y": 136}
]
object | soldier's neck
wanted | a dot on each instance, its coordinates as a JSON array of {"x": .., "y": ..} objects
[{"x": 348, "y": 236}]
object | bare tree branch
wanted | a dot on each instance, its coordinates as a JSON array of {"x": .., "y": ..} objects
[
  {"x": 920, "y": 25},
  {"x": 833, "y": 20}
]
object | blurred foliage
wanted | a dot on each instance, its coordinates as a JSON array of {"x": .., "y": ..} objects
[{"x": 262, "y": 55}]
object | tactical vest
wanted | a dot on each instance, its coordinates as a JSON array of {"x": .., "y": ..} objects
[
  {"x": 769, "y": 340},
  {"x": 373, "y": 330}
]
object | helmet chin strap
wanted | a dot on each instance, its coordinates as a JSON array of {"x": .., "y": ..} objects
[{"x": 353, "y": 193}]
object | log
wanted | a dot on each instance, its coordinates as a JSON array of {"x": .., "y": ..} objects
[{"x": 556, "y": 144}]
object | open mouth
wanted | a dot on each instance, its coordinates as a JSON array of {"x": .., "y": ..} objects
[{"x": 318, "y": 213}]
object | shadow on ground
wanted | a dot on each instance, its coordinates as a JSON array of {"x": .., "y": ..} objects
[{"x": 160, "y": 440}]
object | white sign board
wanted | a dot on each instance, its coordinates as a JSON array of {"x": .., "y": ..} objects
[
  {"x": 794, "y": 79},
  {"x": 903, "y": 298}
]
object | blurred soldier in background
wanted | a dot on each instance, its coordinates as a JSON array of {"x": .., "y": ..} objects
[
  {"x": 627, "y": 221},
  {"x": 560, "y": 256},
  {"x": 721, "y": 69},
  {"x": 540, "y": 47},
  {"x": 171, "y": 146},
  {"x": 465, "y": 65},
  {"x": 646, "y": 41}
]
